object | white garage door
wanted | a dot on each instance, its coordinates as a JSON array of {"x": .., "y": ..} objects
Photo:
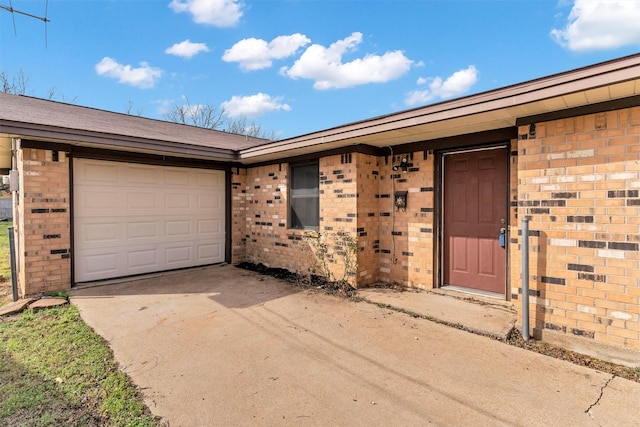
[{"x": 134, "y": 219}]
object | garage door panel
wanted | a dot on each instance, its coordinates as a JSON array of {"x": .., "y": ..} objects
[
  {"x": 143, "y": 258},
  {"x": 138, "y": 202},
  {"x": 209, "y": 226},
  {"x": 139, "y": 174},
  {"x": 98, "y": 265},
  {"x": 209, "y": 201},
  {"x": 178, "y": 228},
  {"x": 135, "y": 219},
  {"x": 97, "y": 200},
  {"x": 207, "y": 180},
  {"x": 177, "y": 201},
  {"x": 94, "y": 172},
  {"x": 142, "y": 230},
  {"x": 176, "y": 178},
  {"x": 176, "y": 256},
  {"x": 211, "y": 252},
  {"x": 101, "y": 232}
]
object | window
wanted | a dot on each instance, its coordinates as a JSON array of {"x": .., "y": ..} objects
[{"x": 304, "y": 208}]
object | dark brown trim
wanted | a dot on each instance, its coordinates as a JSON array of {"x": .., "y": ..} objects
[
  {"x": 510, "y": 155},
  {"x": 72, "y": 221},
  {"x": 459, "y": 141},
  {"x": 128, "y": 156},
  {"x": 148, "y": 159},
  {"x": 42, "y": 145},
  {"x": 228, "y": 200},
  {"x": 437, "y": 220},
  {"x": 600, "y": 107},
  {"x": 358, "y": 148}
]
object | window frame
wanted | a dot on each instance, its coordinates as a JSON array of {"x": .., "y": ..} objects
[{"x": 298, "y": 224}]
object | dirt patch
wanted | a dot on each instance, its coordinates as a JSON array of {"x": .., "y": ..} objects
[
  {"x": 515, "y": 339},
  {"x": 6, "y": 294},
  {"x": 341, "y": 288}
]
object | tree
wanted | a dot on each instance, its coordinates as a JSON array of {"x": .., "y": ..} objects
[
  {"x": 16, "y": 85},
  {"x": 128, "y": 110},
  {"x": 200, "y": 115},
  {"x": 19, "y": 85},
  {"x": 211, "y": 117}
]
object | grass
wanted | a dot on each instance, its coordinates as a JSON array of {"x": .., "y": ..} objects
[
  {"x": 5, "y": 261},
  {"x": 54, "y": 370}
]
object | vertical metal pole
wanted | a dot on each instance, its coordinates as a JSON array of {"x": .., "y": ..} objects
[
  {"x": 12, "y": 251},
  {"x": 525, "y": 279}
]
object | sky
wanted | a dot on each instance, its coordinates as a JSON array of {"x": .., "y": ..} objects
[{"x": 294, "y": 67}]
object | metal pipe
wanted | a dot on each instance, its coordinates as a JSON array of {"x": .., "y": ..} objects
[
  {"x": 525, "y": 279},
  {"x": 12, "y": 251}
]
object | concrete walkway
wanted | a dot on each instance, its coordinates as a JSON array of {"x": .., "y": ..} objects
[
  {"x": 485, "y": 316},
  {"x": 220, "y": 346}
]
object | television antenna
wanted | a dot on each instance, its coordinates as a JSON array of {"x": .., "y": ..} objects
[{"x": 13, "y": 12}]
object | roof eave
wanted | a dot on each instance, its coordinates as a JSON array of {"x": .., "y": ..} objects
[
  {"x": 111, "y": 141},
  {"x": 506, "y": 99}
]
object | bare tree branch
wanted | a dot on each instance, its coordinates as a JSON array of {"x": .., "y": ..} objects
[
  {"x": 128, "y": 109},
  {"x": 19, "y": 85},
  {"x": 200, "y": 115}
]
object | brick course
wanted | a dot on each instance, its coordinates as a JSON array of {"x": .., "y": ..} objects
[
  {"x": 584, "y": 249},
  {"x": 43, "y": 222}
]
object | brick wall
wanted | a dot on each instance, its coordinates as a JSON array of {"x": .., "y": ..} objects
[
  {"x": 368, "y": 214},
  {"x": 239, "y": 215},
  {"x": 579, "y": 183},
  {"x": 406, "y": 235},
  {"x": 260, "y": 216},
  {"x": 44, "y": 237},
  {"x": 355, "y": 198},
  {"x": 339, "y": 206}
]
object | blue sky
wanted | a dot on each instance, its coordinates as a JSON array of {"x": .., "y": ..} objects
[{"x": 299, "y": 66}]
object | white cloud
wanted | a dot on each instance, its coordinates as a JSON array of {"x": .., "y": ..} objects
[
  {"x": 325, "y": 66},
  {"x": 144, "y": 77},
  {"x": 456, "y": 84},
  {"x": 253, "y": 106},
  {"x": 600, "y": 24},
  {"x": 256, "y": 54},
  {"x": 187, "y": 49},
  {"x": 219, "y": 13}
]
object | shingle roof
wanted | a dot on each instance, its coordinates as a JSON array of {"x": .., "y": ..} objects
[{"x": 36, "y": 117}]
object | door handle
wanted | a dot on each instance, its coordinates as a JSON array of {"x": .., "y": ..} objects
[{"x": 502, "y": 239}]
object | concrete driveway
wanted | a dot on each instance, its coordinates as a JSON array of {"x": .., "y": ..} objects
[{"x": 224, "y": 346}]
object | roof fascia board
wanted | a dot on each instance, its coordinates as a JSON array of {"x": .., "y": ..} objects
[
  {"x": 355, "y": 148},
  {"x": 616, "y": 104},
  {"x": 76, "y": 151},
  {"x": 80, "y": 137},
  {"x": 505, "y": 98},
  {"x": 459, "y": 141}
]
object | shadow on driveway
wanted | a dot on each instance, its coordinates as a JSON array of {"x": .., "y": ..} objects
[
  {"x": 224, "y": 346},
  {"x": 227, "y": 285}
]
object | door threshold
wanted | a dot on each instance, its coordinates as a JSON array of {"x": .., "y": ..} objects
[{"x": 472, "y": 291}]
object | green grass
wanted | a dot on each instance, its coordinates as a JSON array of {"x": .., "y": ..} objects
[
  {"x": 5, "y": 261},
  {"x": 54, "y": 370}
]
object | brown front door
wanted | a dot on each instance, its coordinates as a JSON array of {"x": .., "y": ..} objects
[{"x": 475, "y": 195}]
